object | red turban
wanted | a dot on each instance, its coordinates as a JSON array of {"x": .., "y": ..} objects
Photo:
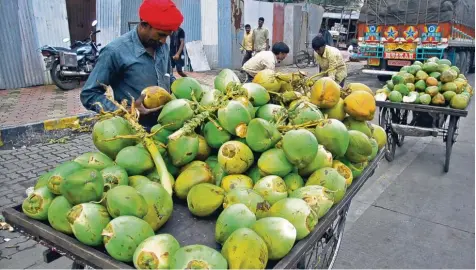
[{"x": 161, "y": 14}]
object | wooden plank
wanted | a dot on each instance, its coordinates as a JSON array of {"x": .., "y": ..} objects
[
  {"x": 89, "y": 255},
  {"x": 422, "y": 108},
  {"x": 298, "y": 251}
]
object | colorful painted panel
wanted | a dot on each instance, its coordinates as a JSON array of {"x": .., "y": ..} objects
[
  {"x": 390, "y": 33},
  {"x": 372, "y": 33},
  {"x": 410, "y": 33},
  {"x": 431, "y": 33}
]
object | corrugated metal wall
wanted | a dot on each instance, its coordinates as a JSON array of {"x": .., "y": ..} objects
[
  {"x": 209, "y": 30},
  {"x": 33, "y": 64},
  {"x": 109, "y": 20},
  {"x": 224, "y": 35},
  {"x": 129, "y": 13},
  {"x": 51, "y": 21},
  {"x": 192, "y": 23},
  {"x": 11, "y": 69}
]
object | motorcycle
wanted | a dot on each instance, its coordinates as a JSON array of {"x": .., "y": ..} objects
[{"x": 68, "y": 67}]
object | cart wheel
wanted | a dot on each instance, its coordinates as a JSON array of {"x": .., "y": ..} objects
[
  {"x": 386, "y": 123},
  {"x": 450, "y": 140}
]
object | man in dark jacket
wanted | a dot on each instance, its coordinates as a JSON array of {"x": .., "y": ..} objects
[
  {"x": 177, "y": 44},
  {"x": 136, "y": 60}
]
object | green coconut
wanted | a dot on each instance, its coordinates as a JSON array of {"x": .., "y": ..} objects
[
  {"x": 224, "y": 78},
  {"x": 278, "y": 234},
  {"x": 459, "y": 101},
  {"x": 161, "y": 133},
  {"x": 203, "y": 149},
  {"x": 175, "y": 113},
  {"x": 217, "y": 170},
  {"x": 449, "y": 86},
  {"x": 429, "y": 67},
  {"x": 87, "y": 220},
  {"x": 136, "y": 180},
  {"x": 232, "y": 181},
  {"x": 272, "y": 188},
  {"x": 58, "y": 174},
  {"x": 359, "y": 146},
  {"x": 438, "y": 100},
  {"x": 262, "y": 135},
  {"x": 94, "y": 160},
  {"x": 114, "y": 176},
  {"x": 235, "y": 157},
  {"x": 135, "y": 160},
  {"x": 379, "y": 135},
  {"x": 336, "y": 112},
  {"x": 322, "y": 159},
  {"x": 254, "y": 173},
  {"x": 268, "y": 79},
  {"x": 333, "y": 135},
  {"x": 257, "y": 94},
  {"x": 304, "y": 112},
  {"x": 210, "y": 97},
  {"x": 362, "y": 126},
  {"x": 43, "y": 180},
  {"x": 293, "y": 181},
  {"x": 420, "y": 85},
  {"x": 190, "y": 177},
  {"x": 214, "y": 136},
  {"x": 58, "y": 214},
  {"x": 184, "y": 87},
  {"x": 274, "y": 162},
  {"x": 448, "y": 75},
  {"x": 83, "y": 185},
  {"x": 108, "y": 129},
  {"x": 331, "y": 179},
  {"x": 248, "y": 105},
  {"x": 343, "y": 170},
  {"x": 197, "y": 257},
  {"x": 36, "y": 205},
  {"x": 155, "y": 252},
  {"x": 232, "y": 218},
  {"x": 356, "y": 168},
  {"x": 300, "y": 147},
  {"x": 374, "y": 144},
  {"x": 154, "y": 176},
  {"x": 123, "y": 235},
  {"x": 252, "y": 199},
  {"x": 270, "y": 112},
  {"x": 159, "y": 204},
  {"x": 126, "y": 201},
  {"x": 319, "y": 198},
  {"x": 198, "y": 205},
  {"x": 245, "y": 249},
  {"x": 183, "y": 149},
  {"x": 298, "y": 213},
  {"x": 233, "y": 116}
]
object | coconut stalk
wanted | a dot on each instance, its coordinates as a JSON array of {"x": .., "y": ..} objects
[
  {"x": 233, "y": 90},
  {"x": 142, "y": 135}
]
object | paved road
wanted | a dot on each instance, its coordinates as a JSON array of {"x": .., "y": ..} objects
[{"x": 408, "y": 215}]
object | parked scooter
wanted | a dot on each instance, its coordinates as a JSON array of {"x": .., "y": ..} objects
[{"x": 68, "y": 67}]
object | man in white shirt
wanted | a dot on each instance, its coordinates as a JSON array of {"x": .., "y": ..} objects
[
  {"x": 265, "y": 60},
  {"x": 260, "y": 37}
]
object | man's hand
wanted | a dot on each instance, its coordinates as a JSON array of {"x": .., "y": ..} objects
[
  {"x": 176, "y": 57},
  {"x": 139, "y": 104}
]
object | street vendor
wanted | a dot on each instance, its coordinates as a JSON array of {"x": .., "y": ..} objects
[
  {"x": 329, "y": 58},
  {"x": 136, "y": 60},
  {"x": 265, "y": 60}
]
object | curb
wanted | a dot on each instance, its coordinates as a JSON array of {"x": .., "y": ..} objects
[{"x": 32, "y": 133}]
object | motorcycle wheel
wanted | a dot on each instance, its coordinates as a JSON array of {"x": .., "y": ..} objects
[{"x": 62, "y": 84}]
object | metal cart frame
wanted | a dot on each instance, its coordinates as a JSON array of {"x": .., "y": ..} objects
[{"x": 394, "y": 118}]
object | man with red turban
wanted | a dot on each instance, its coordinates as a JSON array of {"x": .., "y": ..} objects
[{"x": 136, "y": 60}]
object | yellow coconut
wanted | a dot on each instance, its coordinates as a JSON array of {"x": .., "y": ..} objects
[
  {"x": 267, "y": 79},
  {"x": 155, "y": 96},
  {"x": 353, "y": 87},
  {"x": 325, "y": 93},
  {"x": 360, "y": 105}
]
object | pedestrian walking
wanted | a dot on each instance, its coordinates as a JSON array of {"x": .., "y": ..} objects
[
  {"x": 260, "y": 37},
  {"x": 247, "y": 44},
  {"x": 177, "y": 44}
]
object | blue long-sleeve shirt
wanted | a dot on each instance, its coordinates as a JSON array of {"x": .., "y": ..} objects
[{"x": 125, "y": 65}]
